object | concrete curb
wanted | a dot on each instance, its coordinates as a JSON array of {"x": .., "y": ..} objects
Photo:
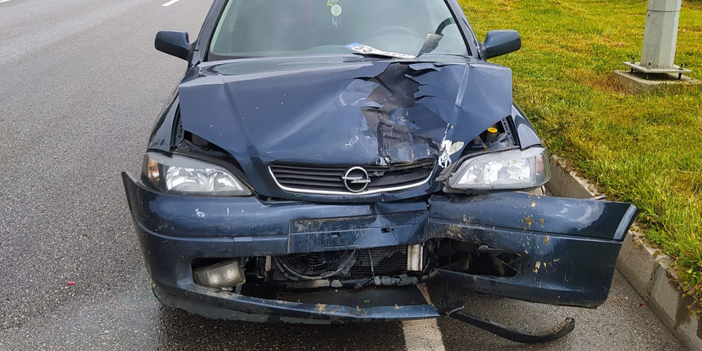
[{"x": 644, "y": 267}]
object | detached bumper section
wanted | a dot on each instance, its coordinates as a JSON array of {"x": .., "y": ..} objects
[{"x": 568, "y": 247}]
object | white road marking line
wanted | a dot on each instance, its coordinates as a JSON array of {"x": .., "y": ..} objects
[
  {"x": 168, "y": 3},
  {"x": 1, "y": 1},
  {"x": 423, "y": 335}
]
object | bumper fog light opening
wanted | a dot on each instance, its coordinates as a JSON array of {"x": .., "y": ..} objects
[{"x": 226, "y": 274}]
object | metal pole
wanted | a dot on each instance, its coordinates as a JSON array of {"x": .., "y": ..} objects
[{"x": 661, "y": 34}]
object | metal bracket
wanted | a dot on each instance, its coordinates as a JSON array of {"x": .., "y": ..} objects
[
  {"x": 455, "y": 310},
  {"x": 647, "y": 70}
]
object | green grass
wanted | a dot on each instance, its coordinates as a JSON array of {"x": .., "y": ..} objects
[{"x": 644, "y": 149}]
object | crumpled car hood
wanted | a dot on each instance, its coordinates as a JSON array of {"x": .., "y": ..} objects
[{"x": 342, "y": 111}]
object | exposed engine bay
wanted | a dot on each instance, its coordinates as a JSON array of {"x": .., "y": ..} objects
[{"x": 356, "y": 269}]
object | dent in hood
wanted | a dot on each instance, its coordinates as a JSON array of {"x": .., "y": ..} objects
[{"x": 352, "y": 113}]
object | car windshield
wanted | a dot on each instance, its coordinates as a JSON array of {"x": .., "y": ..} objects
[{"x": 255, "y": 28}]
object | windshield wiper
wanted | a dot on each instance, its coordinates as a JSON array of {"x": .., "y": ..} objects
[
  {"x": 430, "y": 44},
  {"x": 433, "y": 39}
]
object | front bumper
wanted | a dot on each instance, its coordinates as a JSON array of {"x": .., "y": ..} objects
[{"x": 569, "y": 247}]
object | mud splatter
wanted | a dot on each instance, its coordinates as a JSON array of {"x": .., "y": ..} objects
[
  {"x": 529, "y": 221},
  {"x": 320, "y": 308}
]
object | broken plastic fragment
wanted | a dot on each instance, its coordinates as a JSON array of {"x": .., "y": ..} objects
[
  {"x": 448, "y": 148},
  {"x": 70, "y": 283},
  {"x": 445, "y": 158}
]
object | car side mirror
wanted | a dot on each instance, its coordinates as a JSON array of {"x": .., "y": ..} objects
[
  {"x": 501, "y": 42},
  {"x": 173, "y": 43}
]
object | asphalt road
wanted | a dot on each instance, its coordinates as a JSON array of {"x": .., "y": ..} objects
[{"x": 80, "y": 88}]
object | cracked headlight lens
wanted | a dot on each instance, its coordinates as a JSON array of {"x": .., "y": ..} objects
[
  {"x": 191, "y": 176},
  {"x": 507, "y": 170}
]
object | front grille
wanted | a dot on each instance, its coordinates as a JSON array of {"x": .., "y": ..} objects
[{"x": 329, "y": 179}]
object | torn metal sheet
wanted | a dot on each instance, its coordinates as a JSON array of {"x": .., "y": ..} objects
[{"x": 359, "y": 112}]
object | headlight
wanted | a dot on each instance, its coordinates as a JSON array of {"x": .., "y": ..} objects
[
  {"x": 190, "y": 176},
  {"x": 507, "y": 170}
]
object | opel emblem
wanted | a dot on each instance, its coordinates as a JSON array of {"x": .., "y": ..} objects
[{"x": 356, "y": 179}]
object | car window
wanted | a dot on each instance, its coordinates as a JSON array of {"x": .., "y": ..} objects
[{"x": 253, "y": 28}]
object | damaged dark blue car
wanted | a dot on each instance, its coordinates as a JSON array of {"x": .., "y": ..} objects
[{"x": 320, "y": 159}]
